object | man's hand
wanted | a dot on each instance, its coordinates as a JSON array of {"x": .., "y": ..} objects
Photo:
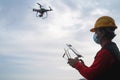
[{"x": 72, "y": 62}]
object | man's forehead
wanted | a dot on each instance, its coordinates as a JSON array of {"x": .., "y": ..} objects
[{"x": 97, "y": 30}]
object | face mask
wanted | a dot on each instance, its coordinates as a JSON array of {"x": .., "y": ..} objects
[{"x": 96, "y": 39}]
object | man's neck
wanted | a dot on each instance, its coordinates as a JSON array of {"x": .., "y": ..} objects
[{"x": 104, "y": 42}]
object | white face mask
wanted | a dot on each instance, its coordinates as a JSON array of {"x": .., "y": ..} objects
[{"x": 96, "y": 38}]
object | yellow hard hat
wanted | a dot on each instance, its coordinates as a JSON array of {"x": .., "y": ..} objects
[{"x": 104, "y": 22}]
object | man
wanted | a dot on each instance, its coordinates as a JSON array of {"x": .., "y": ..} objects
[{"x": 106, "y": 65}]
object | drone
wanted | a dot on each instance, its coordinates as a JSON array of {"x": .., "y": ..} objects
[{"x": 40, "y": 12}]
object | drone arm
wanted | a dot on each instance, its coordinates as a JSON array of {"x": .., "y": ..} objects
[
  {"x": 39, "y": 5},
  {"x": 50, "y": 8}
]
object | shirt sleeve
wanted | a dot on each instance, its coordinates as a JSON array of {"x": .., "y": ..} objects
[{"x": 102, "y": 62}]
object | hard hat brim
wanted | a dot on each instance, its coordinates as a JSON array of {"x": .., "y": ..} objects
[{"x": 93, "y": 29}]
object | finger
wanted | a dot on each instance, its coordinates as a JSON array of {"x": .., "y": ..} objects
[
  {"x": 69, "y": 59},
  {"x": 81, "y": 61}
]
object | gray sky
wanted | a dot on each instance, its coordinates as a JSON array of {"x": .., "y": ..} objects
[{"x": 31, "y": 48}]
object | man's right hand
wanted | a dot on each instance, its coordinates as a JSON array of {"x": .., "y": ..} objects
[{"x": 72, "y": 62}]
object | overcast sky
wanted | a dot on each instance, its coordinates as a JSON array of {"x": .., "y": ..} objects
[{"x": 31, "y": 48}]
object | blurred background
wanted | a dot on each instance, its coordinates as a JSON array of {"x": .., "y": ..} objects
[{"x": 31, "y": 48}]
